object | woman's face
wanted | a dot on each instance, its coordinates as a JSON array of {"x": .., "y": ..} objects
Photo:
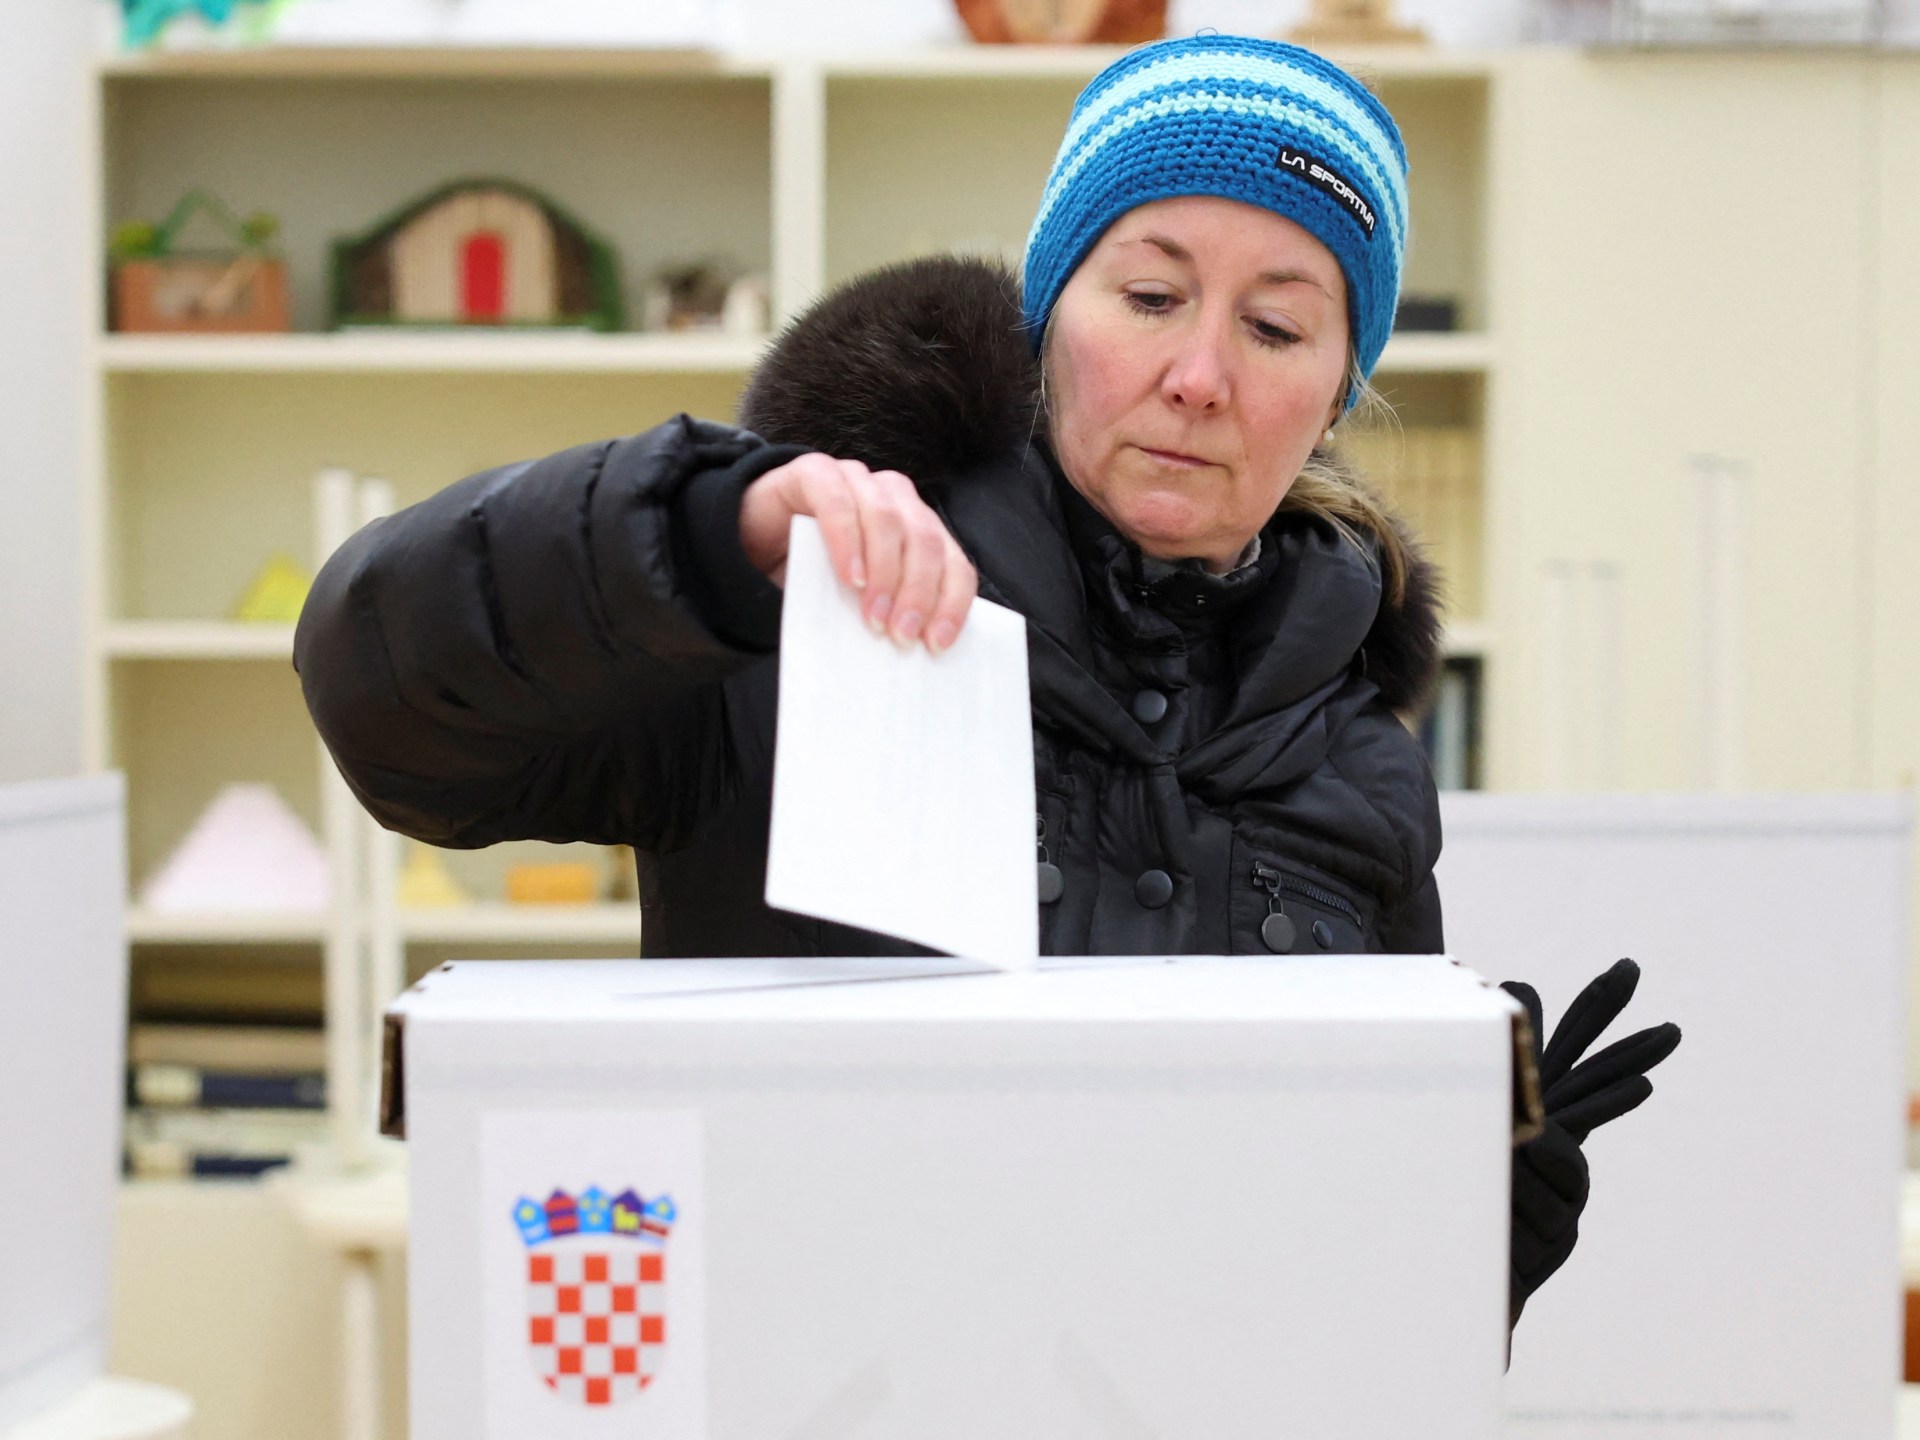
[{"x": 1193, "y": 361}]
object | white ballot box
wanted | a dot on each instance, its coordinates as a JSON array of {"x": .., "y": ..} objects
[{"x": 802, "y": 1200}]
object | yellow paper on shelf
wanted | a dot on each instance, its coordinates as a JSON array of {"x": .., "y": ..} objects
[
  {"x": 425, "y": 882},
  {"x": 276, "y": 594}
]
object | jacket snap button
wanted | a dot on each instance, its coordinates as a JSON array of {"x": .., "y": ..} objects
[
  {"x": 1149, "y": 707},
  {"x": 1277, "y": 933},
  {"x": 1153, "y": 889},
  {"x": 1323, "y": 934}
]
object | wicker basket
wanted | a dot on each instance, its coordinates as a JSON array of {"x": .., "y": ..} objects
[{"x": 1064, "y": 22}]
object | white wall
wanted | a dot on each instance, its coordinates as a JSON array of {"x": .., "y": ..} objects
[{"x": 48, "y": 289}]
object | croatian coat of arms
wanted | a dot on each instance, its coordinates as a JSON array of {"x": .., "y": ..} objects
[{"x": 596, "y": 1291}]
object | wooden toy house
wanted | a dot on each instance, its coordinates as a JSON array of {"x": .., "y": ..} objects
[{"x": 477, "y": 252}]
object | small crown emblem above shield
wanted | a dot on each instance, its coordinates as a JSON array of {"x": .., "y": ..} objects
[{"x": 596, "y": 1291}]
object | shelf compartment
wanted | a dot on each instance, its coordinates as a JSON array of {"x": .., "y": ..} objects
[
  {"x": 330, "y": 153},
  {"x": 921, "y": 165},
  {"x": 432, "y": 352},
  {"x": 182, "y": 731},
  {"x": 208, "y": 475}
]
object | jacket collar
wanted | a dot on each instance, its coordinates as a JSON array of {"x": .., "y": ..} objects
[{"x": 924, "y": 368}]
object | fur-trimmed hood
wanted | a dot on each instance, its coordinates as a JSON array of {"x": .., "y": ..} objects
[{"x": 924, "y": 368}]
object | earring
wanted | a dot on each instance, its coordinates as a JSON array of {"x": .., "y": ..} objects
[{"x": 1327, "y": 439}]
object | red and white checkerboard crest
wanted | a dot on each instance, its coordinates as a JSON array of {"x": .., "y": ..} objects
[{"x": 596, "y": 1291}]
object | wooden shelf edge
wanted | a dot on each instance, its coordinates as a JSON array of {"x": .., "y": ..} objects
[
  {"x": 1467, "y": 638},
  {"x": 195, "y": 640},
  {"x": 1416, "y": 352},
  {"x": 431, "y": 62},
  {"x": 1082, "y": 62},
  {"x": 958, "y": 61},
  {"x": 430, "y": 352},
  {"x": 496, "y": 922},
  {"x": 225, "y": 927}
]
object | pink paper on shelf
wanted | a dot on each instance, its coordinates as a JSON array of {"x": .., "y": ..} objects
[{"x": 249, "y": 851}]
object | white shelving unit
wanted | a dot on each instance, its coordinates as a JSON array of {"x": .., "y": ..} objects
[{"x": 809, "y": 169}]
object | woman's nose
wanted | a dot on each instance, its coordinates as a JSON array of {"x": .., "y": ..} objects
[{"x": 1197, "y": 376}]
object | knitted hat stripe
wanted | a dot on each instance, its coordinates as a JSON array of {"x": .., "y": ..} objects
[
  {"x": 1203, "y": 102},
  {"x": 1263, "y": 73}
]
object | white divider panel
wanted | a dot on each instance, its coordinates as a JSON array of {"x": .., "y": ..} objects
[
  {"x": 63, "y": 1007},
  {"x": 1737, "y": 1273}
]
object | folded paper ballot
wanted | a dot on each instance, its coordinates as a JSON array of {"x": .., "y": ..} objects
[{"x": 902, "y": 781}]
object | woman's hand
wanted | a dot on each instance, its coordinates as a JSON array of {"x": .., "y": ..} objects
[{"x": 915, "y": 580}]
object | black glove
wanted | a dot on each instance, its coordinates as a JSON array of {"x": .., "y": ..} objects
[{"x": 1550, "y": 1172}]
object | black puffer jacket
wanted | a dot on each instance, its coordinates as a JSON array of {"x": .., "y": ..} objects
[{"x": 574, "y": 648}]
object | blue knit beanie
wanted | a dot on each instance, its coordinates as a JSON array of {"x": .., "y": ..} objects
[{"x": 1253, "y": 120}]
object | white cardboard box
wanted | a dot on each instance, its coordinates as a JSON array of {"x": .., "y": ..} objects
[
  {"x": 1737, "y": 1272},
  {"x": 1204, "y": 1198},
  {"x": 63, "y": 973}
]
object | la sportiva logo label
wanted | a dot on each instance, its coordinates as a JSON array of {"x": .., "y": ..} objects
[{"x": 1319, "y": 173}]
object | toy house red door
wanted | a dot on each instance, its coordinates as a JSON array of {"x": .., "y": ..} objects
[{"x": 483, "y": 277}]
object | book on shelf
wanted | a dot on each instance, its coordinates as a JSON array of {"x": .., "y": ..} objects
[
  {"x": 269, "y": 1049},
  {"x": 1450, "y": 730},
  {"x": 162, "y": 1143},
  {"x": 1431, "y": 475},
  {"x": 163, "y": 1085},
  {"x": 160, "y": 1160}
]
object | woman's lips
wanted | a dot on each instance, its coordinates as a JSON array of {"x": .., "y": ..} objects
[{"x": 1174, "y": 457}]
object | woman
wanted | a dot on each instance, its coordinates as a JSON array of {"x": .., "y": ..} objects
[{"x": 1224, "y": 623}]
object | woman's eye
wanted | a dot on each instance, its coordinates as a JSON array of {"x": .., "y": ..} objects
[
  {"x": 1149, "y": 302},
  {"x": 1272, "y": 335}
]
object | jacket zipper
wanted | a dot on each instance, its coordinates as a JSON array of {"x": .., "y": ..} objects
[{"x": 1273, "y": 881}]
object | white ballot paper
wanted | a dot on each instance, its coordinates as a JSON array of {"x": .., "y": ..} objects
[{"x": 903, "y": 781}]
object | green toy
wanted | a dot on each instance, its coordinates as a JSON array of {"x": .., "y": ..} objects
[
  {"x": 143, "y": 240},
  {"x": 146, "y": 19}
]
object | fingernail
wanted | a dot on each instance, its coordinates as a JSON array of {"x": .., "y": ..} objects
[
  {"x": 857, "y": 570},
  {"x": 908, "y": 630},
  {"x": 941, "y": 636},
  {"x": 877, "y": 613}
]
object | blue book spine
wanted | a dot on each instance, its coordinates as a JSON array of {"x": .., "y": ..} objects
[
  {"x": 176, "y": 1087},
  {"x": 232, "y": 1166},
  {"x": 234, "y": 1090}
]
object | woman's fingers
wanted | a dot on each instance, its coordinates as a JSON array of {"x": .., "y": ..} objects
[
  {"x": 883, "y": 540},
  {"x": 827, "y": 494},
  {"x": 1583, "y": 1117},
  {"x": 920, "y": 581},
  {"x": 923, "y": 559},
  {"x": 1635, "y": 1055},
  {"x": 1592, "y": 1011},
  {"x": 959, "y": 583},
  {"x": 884, "y": 527}
]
